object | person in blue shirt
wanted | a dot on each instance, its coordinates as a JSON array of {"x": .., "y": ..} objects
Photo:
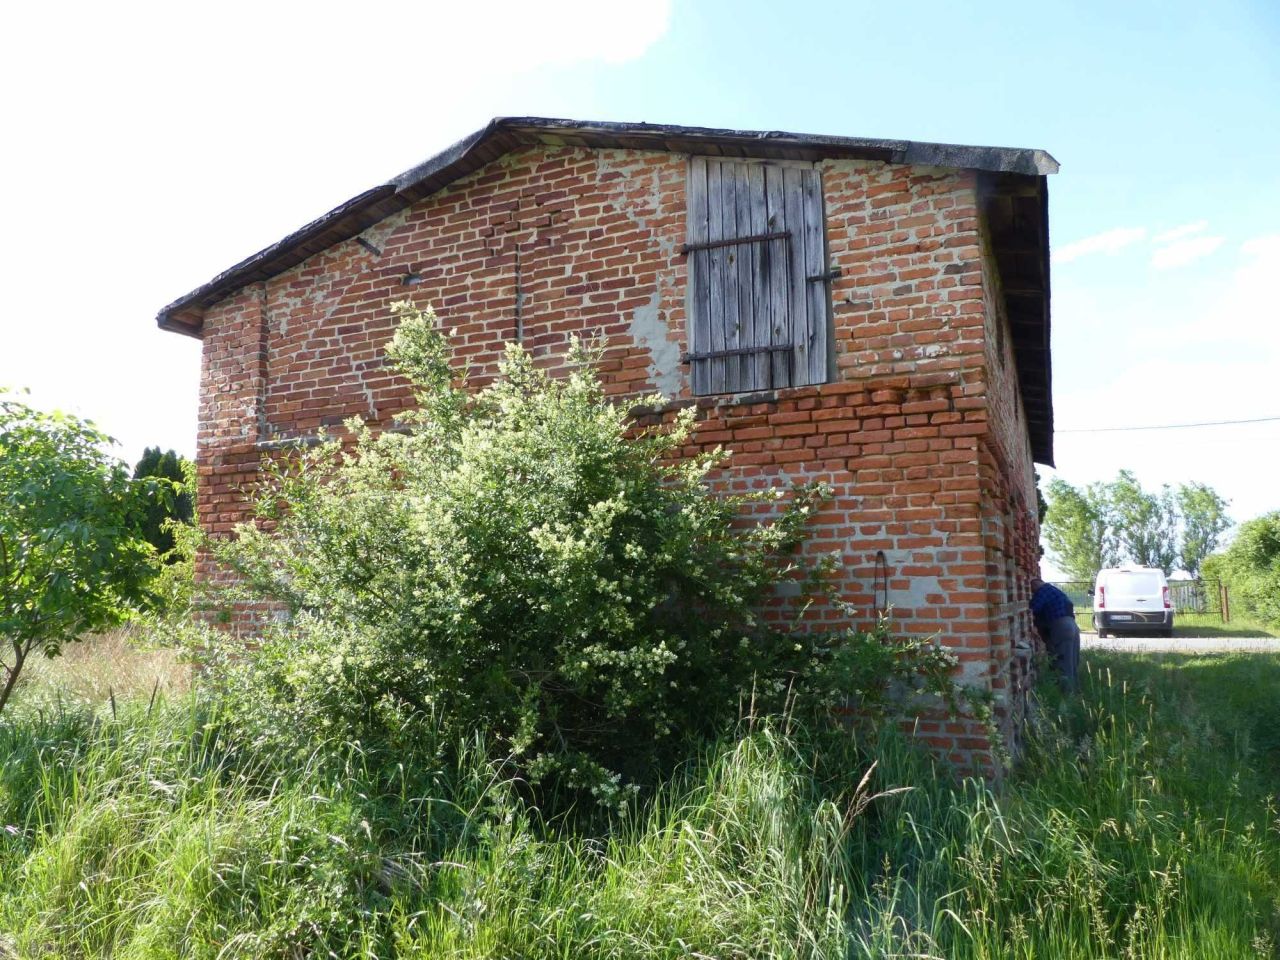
[{"x": 1055, "y": 619}]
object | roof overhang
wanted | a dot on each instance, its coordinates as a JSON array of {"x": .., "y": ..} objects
[
  {"x": 1015, "y": 193},
  {"x": 1016, "y": 209}
]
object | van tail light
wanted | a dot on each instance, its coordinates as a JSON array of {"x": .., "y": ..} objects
[
  {"x": 1102, "y": 598},
  {"x": 1168, "y": 603}
]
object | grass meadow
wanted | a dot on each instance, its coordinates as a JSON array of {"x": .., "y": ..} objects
[
  {"x": 1201, "y": 625},
  {"x": 114, "y": 666},
  {"x": 1141, "y": 823}
]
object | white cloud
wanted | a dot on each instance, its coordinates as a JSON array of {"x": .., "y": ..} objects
[
  {"x": 1242, "y": 315},
  {"x": 1265, "y": 251},
  {"x": 1182, "y": 252},
  {"x": 1239, "y": 461},
  {"x": 1177, "y": 233},
  {"x": 1200, "y": 359},
  {"x": 1110, "y": 243},
  {"x": 178, "y": 137},
  {"x": 1246, "y": 310},
  {"x": 1175, "y": 247}
]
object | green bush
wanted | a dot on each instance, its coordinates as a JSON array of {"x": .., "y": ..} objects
[
  {"x": 524, "y": 562},
  {"x": 1251, "y": 568}
]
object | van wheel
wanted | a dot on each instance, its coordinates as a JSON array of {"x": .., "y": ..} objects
[
  {"x": 1167, "y": 633},
  {"x": 1102, "y": 634}
]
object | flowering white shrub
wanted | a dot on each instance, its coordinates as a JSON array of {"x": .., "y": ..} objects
[{"x": 525, "y": 563}]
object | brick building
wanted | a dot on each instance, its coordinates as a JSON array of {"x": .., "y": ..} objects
[{"x": 872, "y": 313}]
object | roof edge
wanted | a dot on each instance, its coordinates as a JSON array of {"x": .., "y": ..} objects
[
  {"x": 1027, "y": 160},
  {"x": 185, "y": 314}
]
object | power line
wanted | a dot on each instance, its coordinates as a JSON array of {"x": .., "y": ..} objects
[{"x": 1170, "y": 426}]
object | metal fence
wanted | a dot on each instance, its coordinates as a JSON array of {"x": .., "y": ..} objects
[{"x": 1210, "y": 597}]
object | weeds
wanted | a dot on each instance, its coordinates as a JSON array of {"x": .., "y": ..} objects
[
  {"x": 111, "y": 667},
  {"x": 1142, "y": 824}
]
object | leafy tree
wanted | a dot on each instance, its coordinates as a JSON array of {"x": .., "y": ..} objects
[
  {"x": 527, "y": 563},
  {"x": 160, "y": 504},
  {"x": 1204, "y": 521},
  {"x": 1104, "y": 524},
  {"x": 1077, "y": 529},
  {"x": 71, "y": 557},
  {"x": 1146, "y": 524},
  {"x": 1251, "y": 566}
]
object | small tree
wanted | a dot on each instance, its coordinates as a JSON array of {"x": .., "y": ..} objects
[
  {"x": 173, "y": 589},
  {"x": 71, "y": 557}
]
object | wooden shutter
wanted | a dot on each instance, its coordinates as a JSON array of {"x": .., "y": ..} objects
[{"x": 759, "y": 314}]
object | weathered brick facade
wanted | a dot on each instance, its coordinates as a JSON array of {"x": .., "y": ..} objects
[{"x": 922, "y": 431}]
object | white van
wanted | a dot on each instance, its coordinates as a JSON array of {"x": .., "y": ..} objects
[{"x": 1132, "y": 600}]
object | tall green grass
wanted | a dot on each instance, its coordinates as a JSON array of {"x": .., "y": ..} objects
[
  {"x": 115, "y": 666},
  {"x": 1141, "y": 824}
]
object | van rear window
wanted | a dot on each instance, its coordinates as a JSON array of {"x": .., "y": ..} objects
[{"x": 1133, "y": 584}]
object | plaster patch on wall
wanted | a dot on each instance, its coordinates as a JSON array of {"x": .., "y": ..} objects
[
  {"x": 641, "y": 201},
  {"x": 649, "y": 330},
  {"x": 923, "y": 592},
  {"x": 639, "y": 207}
]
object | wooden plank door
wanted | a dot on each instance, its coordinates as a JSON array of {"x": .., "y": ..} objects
[{"x": 758, "y": 298}]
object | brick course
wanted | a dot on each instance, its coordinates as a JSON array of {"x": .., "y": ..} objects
[{"x": 921, "y": 433}]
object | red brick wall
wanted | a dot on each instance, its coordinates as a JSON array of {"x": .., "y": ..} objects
[
  {"x": 548, "y": 242},
  {"x": 1011, "y": 526}
]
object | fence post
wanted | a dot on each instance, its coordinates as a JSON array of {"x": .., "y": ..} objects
[{"x": 1226, "y": 601}]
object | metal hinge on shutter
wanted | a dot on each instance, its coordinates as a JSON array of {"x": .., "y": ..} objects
[
  {"x": 832, "y": 274},
  {"x": 736, "y": 352},
  {"x": 736, "y": 241}
]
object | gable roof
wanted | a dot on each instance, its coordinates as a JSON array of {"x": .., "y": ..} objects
[{"x": 1013, "y": 185}]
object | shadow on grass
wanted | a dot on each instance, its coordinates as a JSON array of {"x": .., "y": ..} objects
[
  {"x": 1197, "y": 625},
  {"x": 1239, "y": 630}
]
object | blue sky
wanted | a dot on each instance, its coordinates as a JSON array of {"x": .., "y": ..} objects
[{"x": 151, "y": 145}]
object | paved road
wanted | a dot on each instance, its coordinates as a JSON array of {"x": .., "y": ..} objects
[{"x": 1090, "y": 641}]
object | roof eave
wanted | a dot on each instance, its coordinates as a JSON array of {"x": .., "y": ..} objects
[
  {"x": 185, "y": 315},
  {"x": 1044, "y": 454}
]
